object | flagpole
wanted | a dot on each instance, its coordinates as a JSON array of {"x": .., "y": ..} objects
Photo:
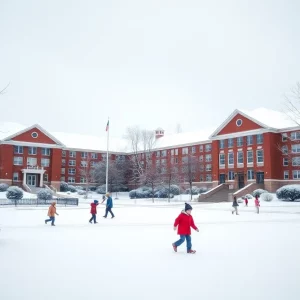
[{"x": 106, "y": 187}]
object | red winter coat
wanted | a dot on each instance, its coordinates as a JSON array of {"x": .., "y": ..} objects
[
  {"x": 94, "y": 208},
  {"x": 184, "y": 222}
]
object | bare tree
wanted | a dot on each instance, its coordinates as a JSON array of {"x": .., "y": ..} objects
[
  {"x": 152, "y": 178},
  {"x": 141, "y": 145},
  {"x": 189, "y": 170}
]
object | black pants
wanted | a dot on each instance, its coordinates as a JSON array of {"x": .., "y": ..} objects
[
  {"x": 108, "y": 210},
  {"x": 93, "y": 218}
]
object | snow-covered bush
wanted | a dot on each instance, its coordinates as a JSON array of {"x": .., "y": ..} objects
[
  {"x": 14, "y": 193},
  {"x": 72, "y": 189},
  {"x": 93, "y": 188},
  {"x": 132, "y": 194},
  {"x": 266, "y": 197},
  {"x": 79, "y": 188},
  {"x": 248, "y": 196},
  {"x": 45, "y": 194},
  {"x": 194, "y": 191},
  {"x": 202, "y": 190},
  {"x": 3, "y": 187},
  {"x": 289, "y": 192},
  {"x": 147, "y": 194},
  {"x": 64, "y": 187},
  {"x": 174, "y": 189},
  {"x": 240, "y": 200},
  {"x": 81, "y": 192},
  {"x": 101, "y": 189},
  {"x": 120, "y": 188},
  {"x": 139, "y": 193},
  {"x": 258, "y": 192}
]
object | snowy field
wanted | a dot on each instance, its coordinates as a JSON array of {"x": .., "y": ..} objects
[{"x": 130, "y": 257}]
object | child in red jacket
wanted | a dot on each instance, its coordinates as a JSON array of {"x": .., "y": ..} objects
[
  {"x": 94, "y": 211},
  {"x": 184, "y": 222}
]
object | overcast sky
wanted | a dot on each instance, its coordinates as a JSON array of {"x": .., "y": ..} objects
[{"x": 153, "y": 63}]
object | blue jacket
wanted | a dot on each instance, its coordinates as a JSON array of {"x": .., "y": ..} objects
[{"x": 109, "y": 202}]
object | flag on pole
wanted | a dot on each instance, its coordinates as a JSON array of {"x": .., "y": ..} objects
[{"x": 107, "y": 125}]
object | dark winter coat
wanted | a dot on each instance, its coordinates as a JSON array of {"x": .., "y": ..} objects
[
  {"x": 94, "y": 208},
  {"x": 235, "y": 204},
  {"x": 184, "y": 222},
  {"x": 109, "y": 202}
]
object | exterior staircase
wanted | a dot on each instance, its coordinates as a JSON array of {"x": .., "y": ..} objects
[{"x": 220, "y": 193}]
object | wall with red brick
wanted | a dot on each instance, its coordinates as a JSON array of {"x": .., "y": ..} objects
[{"x": 26, "y": 137}]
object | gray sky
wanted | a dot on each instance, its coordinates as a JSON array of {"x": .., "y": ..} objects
[{"x": 71, "y": 64}]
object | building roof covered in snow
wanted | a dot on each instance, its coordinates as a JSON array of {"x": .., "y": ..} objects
[{"x": 265, "y": 118}]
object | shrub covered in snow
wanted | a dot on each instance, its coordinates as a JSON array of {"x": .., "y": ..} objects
[
  {"x": 248, "y": 196},
  {"x": 266, "y": 197},
  {"x": 14, "y": 193},
  {"x": 132, "y": 194},
  {"x": 194, "y": 191},
  {"x": 81, "y": 192},
  {"x": 93, "y": 188},
  {"x": 45, "y": 194},
  {"x": 202, "y": 190},
  {"x": 119, "y": 188},
  {"x": 101, "y": 189},
  {"x": 72, "y": 189},
  {"x": 64, "y": 187},
  {"x": 79, "y": 188},
  {"x": 3, "y": 187},
  {"x": 289, "y": 192},
  {"x": 174, "y": 189},
  {"x": 258, "y": 192}
]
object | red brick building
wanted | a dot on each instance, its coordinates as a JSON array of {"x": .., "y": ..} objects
[{"x": 243, "y": 149}]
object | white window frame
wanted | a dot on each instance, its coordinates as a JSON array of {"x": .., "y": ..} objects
[
  {"x": 257, "y": 156},
  {"x": 240, "y": 157},
  {"x": 83, "y": 164},
  {"x": 18, "y": 161},
  {"x": 208, "y": 148},
  {"x": 43, "y": 160},
  {"x": 72, "y": 163},
  {"x": 295, "y": 136},
  {"x": 296, "y": 161},
  {"x": 250, "y": 157},
  {"x": 46, "y": 177},
  {"x": 284, "y": 137},
  {"x": 72, "y": 154},
  {"x": 208, "y": 157},
  {"x": 46, "y": 151},
  {"x": 201, "y": 158},
  {"x": 208, "y": 167},
  {"x": 286, "y": 175},
  {"x": 298, "y": 174},
  {"x": 164, "y": 153},
  {"x": 63, "y": 153},
  {"x": 185, "y": 151},
  {"x": 231, "y": 143},
  {"x": 18, "y": 150},
  {"x": 230, "y": 178},
  {"x": 224, "y": 159},
  {"x": 82, "y": 179},
  {"x": 172, "y": 152},
  {"x": 249, "y": 140},
  {"x": 230, "y": 154},
  {"x": 240, "y": 141},
  {"x": 221, "y": 144},
  {"x": 176, "y": 151},
  {"x": 208, "y": 178},
  {"x": 296, "y": 148},
  {"x": 71, "y": 179},
  {"x": 260, "y": 140},
  {"x": 94, "y": 155},
  {"x": 201, "y": 148},
  {"x": 31, "y": 161},
  {"x": 285, "y": 161},
  {"x": 193, "y": 149},
  {"x": 285, "y": 150},
  {"x": 63, "y": 162},
  {"x": 72, "y": 171},
  {"x": 252, "y": 174},
  {"x": 32, "y": 150},
  {"x": 16, "y": 176},
  {"x": 83, "y": 154},
  {"x": 63, "y": 171}
]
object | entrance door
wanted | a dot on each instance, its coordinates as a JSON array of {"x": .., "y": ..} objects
[
  {"x": 260, "y": 177},
  {"x": 241, "y": 180},
  {"x": 222, "y": 178},
  {"x": 31, "y": 180}
]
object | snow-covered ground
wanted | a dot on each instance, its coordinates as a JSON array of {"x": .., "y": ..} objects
[
  {"x": 25, "y": 195},
  {"x": 130, "y": 257}
]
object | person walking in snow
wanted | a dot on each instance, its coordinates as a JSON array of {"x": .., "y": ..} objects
[
  {"x": 109, "y": 206},
  {"x": 94, "y": 211},
  {"x": 235, "y": 206},
  {"x": 184, "y": 222},
  {"x": 257, "y": 204},
  {"x": 246, "y": 201},
  {"x": 51, "y": 214}
]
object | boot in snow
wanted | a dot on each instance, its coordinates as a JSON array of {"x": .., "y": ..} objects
[
  {"x": 174, "y": 247},
  {"x": 191, "y": 251}
]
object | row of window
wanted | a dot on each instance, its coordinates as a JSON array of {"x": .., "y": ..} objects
[
  {"x": 72, "y": 163},
  {"x": 31, "y": 161},
  {"x": 294, "y": 149},
  {"x": 72, "y": 154},
  {"x": 72, "y": 179},
  {"x": 295, "y": 174},
  {"x": 185, "y": 151},
  {"x": 294, "y": 136},
  {"x": 32, "y": 150},
  {"x": 240, "y": 157},
  {"x": 250, "y": 175},
  {"x": 259, "y": 138},
  {"x": 295, "y": 161}
]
